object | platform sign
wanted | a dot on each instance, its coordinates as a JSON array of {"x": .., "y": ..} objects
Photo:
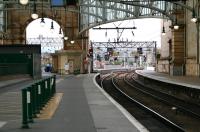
[{"x": 57, "y": 3}]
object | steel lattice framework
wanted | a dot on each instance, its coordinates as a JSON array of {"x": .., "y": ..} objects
[
  {"x": 48, "y": 44},
  {"x": 124, "y": 44},
  {"x": 105, "y": 11},
  {"x": 96, "y": 12}
]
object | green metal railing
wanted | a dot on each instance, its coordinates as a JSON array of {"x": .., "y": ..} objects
[{"x": 35, "y": 97}]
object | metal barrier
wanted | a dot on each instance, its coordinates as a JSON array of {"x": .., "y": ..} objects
[{"x": 35, "y": 97}]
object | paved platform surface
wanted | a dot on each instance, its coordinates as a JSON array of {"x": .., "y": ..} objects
[
  {"x": 83, "y": 108},
  {"x": 9, "y": 82},
  {"x": 188, "y": 81}
]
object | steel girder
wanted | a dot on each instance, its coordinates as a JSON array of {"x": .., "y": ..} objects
[
  {"x": 95, "y": 12},
  {"x": 115, "y": 10},
  {"x": 124, "y": 44}
]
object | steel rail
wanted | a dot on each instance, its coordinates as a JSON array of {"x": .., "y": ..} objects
[
  {"x": 154, "y": 113},
  {"x": 180, "y": 108}
]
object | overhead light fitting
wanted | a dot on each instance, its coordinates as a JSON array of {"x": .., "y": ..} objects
[
  {"x": 72, "y": 41},
  {"x": 34, "y": 15},
  {"x": 42, "y": 23},
  {"x": 23, "y": 2},
  {"x": 194, "y": 18},
  {"x": 163, "y": 31},
  {"x": 52, "y": 27},
  {"x": 176, "y": 26},
  {"x": 65, "y": 38},
  {"x": 60, "y": 32}
]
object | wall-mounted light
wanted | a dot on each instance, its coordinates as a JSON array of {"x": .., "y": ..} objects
[
  {"x": 34, "y": 15},
  {"x": 23, "y": 2}
]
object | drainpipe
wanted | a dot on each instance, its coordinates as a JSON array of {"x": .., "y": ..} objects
[
  {"x": 198, "y": 47},
  {"x": 185, "y": 45},
  {"x": 198, "y": 42}
]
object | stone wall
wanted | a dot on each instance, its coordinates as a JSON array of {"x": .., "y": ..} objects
[
  {"x": 192, "y": 66},
  {"x": 165, "y": 47},
  {"x": 163, "y": 61},
  {"x": 163, "y": 66},
  {"x": 18, "y": 20}
]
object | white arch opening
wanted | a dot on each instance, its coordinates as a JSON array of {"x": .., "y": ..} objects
[{"x": 50, "y": 40}]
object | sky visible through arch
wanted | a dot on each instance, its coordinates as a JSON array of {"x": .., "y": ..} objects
[
  {"x": 148, "y": 29},
  {"x": 50, "y": 40}
]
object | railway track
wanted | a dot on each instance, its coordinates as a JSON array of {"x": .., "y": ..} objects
[
  {"x": 168, "y": 108},
  {"x": 181, "y": 105},
  {"x": 150, "y": 119}
]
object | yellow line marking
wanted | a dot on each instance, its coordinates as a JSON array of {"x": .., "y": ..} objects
[{"x": 51, "y": 107}]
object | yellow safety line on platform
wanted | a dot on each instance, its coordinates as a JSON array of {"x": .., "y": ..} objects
[{"x": 51, "y": 107}]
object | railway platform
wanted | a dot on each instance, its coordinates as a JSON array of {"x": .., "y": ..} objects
[
  {"x": 84, "y": 107},
  {"x": 186, "y": 81}
]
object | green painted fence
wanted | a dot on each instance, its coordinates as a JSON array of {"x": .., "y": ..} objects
[{"x": 35, "y": 97}]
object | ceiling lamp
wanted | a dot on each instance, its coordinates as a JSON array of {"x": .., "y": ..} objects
[
  {"x": 42, "y": 23},
  {"x": 65, "y": 38},
  {"x": 34, "y": 15},
  {"x": 176, "y": 26},
  {"x": 72, "y": 41},
  {"x": 23, "y": 2},
  {"x": 60, "y": 32},
  {"x": 163, "y": 31},
  {"x": 194, "y": 18},
  {"x": 52, "y": 27}
]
